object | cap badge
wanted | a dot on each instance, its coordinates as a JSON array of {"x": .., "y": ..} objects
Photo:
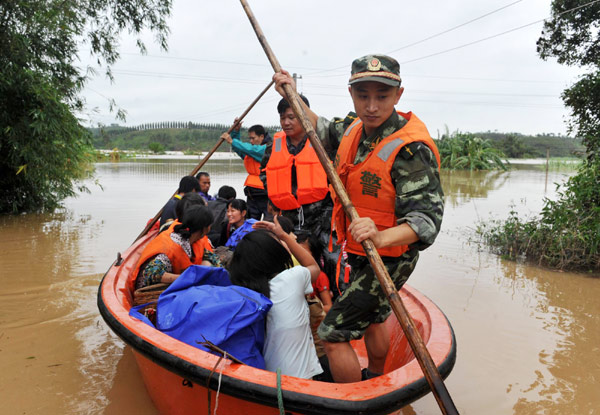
[{"x": 374, "y": 65}]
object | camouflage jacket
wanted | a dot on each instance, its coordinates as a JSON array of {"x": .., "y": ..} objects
[{"x": 419, "y": 195}]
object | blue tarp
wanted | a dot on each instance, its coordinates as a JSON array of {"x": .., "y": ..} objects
[{"x": 202, "y": 303}]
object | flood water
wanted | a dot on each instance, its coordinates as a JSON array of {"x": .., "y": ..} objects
[{"x": 528, "y": 338}]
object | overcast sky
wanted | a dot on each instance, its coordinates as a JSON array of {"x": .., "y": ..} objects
[{"x": 215, "y": 65}]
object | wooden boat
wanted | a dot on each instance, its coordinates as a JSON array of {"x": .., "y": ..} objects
[{"x": 179, "y": 378}]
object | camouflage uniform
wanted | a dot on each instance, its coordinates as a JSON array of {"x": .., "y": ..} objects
[{"x": 419, "y": 203}]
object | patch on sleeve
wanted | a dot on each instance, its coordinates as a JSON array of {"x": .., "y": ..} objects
[{"x": 409, "y": 151}]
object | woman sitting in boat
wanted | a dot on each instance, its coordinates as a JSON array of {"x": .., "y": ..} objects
[
  {"x": 237, "y": 225},
  {"x": 175, "y": 249},
  {"x": 262, "y": 263}
]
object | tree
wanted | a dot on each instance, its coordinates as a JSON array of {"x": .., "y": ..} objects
[
  {"x": 44, "y": 150},
  {"x": 513, "y": 146},
  {"x": 567, "y": 232},
  {"x": 572, "y": 36}
]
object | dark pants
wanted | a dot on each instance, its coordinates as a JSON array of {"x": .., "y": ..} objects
[{"x": 257, "y": 207}]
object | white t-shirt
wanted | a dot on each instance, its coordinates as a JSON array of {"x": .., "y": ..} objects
[{"x": 289, "y": 343}]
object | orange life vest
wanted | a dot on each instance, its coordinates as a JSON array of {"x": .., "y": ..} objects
[
  {"x": 180, "y": 261},
  {"x": 310, "y": 176},
  {"x": 253, "y": 168},
  {"x": 369, "y": 183}
]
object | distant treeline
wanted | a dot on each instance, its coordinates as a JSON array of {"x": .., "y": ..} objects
[
  {"x": 190, "y": 136},
  {"x": 171, "y": 135},
  {"x": 515, "y": 145}
]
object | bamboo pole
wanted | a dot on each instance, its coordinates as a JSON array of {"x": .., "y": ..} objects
[
  {"x": 414, "y": 338},
  {"x": 210, "y": 153}
]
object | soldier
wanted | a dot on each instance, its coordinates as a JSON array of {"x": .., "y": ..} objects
[{"x": 390, "y": 167}]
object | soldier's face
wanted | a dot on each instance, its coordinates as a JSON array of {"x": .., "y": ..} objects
[
  {"x": 291, "y": 125},
  {"x": 374, "y": 102}
]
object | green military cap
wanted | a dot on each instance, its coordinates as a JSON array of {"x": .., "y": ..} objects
[{"x": 377, "y": 68}]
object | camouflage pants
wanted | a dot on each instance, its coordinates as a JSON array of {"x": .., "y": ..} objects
[{"x": 363, "y": 301}]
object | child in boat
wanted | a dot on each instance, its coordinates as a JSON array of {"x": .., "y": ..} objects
[
  {"x": 262, "y": 263},
  {"x": 321, "y": 287},
  {"x": 175, "y": 249}
]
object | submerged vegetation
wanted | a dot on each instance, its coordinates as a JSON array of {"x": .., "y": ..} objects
[
  {"x": 566, "y": 234},
  {"x": 463, "y": 151}
]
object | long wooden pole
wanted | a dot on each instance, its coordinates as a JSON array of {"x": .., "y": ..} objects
[
  {"x": 210, "y": 153},
  {"x": 416, "y": 342}
]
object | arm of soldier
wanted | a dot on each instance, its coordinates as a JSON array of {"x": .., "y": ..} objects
[
  {"x": 419, "y": 194},
  {"x": 331, "y": 131},
  {"x": 364, "y": 228},
  {"x": 284, "y": 78}
]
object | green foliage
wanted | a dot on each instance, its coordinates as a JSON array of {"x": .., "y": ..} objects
[
  {"x": 515, "y": 145},
  {"x": 566, "y": 235},
  {"x": 156, "y": 148},
  {"x": 463, "y": 151},
  {"x": 584, "y": 100},
  {"x": 567, "y": 232},
  {"x": 572, "y": 36},
  {"x": 44, "y": 150}
]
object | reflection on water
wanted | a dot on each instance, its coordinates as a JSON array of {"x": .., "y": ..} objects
[
  {"x": 459, "y": 188},
  {"x": 527, "y": 337},
  {"x": 41, "y": 310},
  {"x": 567, "y": 381}
]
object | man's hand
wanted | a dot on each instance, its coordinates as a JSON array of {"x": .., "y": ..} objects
[
  {"x": 282, "y": 78},
  {"x": 274, "y": 227},
  {"x": 364, "y": 228},
  {"x": 227, "y": 137},
  {"x": 238, "y": 126}
]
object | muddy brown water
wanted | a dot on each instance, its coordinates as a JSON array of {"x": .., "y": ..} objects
[{"x": 528, "y": 338}]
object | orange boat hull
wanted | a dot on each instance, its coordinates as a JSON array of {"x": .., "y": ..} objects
[{"x": 178, "y": 376}]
